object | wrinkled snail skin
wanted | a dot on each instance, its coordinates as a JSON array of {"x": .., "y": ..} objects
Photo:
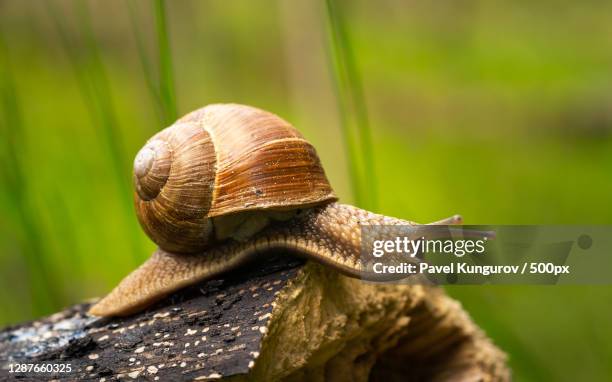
[
  {"x": 329, "y": 234},
  {"x": 221, "y": 186}
]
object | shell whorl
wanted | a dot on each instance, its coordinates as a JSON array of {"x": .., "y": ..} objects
[
  {"x": 219, "y": 160},
  {"x": 174, "y": 178},
  {"x": 152, "y": 168}
]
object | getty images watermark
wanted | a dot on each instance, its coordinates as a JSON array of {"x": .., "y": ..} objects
[{"x": 488, "y": 254}]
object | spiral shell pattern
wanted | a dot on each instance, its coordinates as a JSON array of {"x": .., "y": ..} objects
[{"x": 219, "y": 160}]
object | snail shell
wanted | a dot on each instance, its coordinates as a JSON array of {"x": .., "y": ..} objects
[{"x": 210, "y": 170}]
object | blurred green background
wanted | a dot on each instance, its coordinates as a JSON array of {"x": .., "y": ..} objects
[{"x": 498, "y": 110}]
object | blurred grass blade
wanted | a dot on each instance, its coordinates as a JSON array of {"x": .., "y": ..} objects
[
  {"x": 166, "y": 79},
  {"x": 93, "y": 84},
  {"x": 95, "y": 88},
  {"x": 340, "y": 80},
  {"x": 144, "y": 61},
  {"x": 44, "y": 293},
  {"x": 101, "y": 96},
  {"x": 353, "y": 110}
]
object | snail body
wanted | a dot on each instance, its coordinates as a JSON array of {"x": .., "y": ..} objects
[{"x": 223, "y": 184}]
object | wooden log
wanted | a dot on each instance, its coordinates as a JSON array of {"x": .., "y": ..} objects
[{"x": 280, "y": 319}]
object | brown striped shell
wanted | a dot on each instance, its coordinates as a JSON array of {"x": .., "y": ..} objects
[{"x": 222, "y": 160}]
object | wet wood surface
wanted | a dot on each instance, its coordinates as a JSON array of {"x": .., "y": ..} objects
[{"x": 210, "y": 330}]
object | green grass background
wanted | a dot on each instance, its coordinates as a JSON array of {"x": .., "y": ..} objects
[{"x": 498, "y": 110}]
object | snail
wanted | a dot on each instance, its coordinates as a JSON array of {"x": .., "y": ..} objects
[{"x": 228, "y": 182}]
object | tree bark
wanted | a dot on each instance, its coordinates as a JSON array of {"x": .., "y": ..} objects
[{"x": 281, "y": 319}]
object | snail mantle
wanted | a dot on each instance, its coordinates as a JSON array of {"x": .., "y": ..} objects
[{"x": 282, "y": 320}]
